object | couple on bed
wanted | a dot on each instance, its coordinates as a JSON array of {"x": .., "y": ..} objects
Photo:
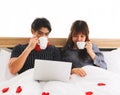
[{"x": 23, "y": 56}]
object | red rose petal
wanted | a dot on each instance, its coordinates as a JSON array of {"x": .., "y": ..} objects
[
  {"x": 19, "y": 89},
  {"x": 89, "y": 93},
  {"x": 101, "y": 84},
  {"x": 45, "y": 93},
  {"x": 5, "y": 89}
]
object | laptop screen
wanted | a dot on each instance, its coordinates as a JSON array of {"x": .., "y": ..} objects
[{"x": 47, "y": 70}]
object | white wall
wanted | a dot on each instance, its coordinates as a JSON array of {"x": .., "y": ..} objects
[{"x": 103, "y": 16}]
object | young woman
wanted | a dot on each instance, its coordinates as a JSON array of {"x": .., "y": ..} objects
[{"x": 90, "y": 55}]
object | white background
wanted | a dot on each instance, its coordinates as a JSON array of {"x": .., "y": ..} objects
[{"x": 102, "y": 16}]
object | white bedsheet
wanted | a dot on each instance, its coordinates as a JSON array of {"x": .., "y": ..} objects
[{"x": 75, "y": 86}]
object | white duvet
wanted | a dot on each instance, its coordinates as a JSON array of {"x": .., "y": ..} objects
[{"x": 97, "y": 82}]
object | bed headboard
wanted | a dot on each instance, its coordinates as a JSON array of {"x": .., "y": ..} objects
[{"x": 10, "y": 42}]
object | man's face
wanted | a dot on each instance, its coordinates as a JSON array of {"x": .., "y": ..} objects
[{"x": 42, "y": 32}]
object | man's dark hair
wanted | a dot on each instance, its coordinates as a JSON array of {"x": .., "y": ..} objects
[{"x": 38, "y": 23}]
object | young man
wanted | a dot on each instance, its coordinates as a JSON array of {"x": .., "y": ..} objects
[{"x": 23, "y": 56}]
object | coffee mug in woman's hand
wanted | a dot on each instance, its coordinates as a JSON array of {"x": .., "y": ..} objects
[{"x": 81, "y": 45}]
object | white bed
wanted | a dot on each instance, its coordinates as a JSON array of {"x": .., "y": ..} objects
[{"x": 97, "y": 82}]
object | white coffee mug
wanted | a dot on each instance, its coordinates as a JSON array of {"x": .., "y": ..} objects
[
  {"x": 43, "y": 41},
  {"x": 81, "y": 45}
]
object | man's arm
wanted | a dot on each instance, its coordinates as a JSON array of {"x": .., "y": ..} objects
[{"x": 16, "y": 63}]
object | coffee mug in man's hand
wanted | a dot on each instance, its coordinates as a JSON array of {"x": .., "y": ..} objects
[
  {"x": 43, "y": 41},
  {"x": 81, "y": 45}
]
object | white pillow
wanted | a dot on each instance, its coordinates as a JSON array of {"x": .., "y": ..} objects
[
  {"x": 112, "y": 59},
  {"x": 4, "y": 59}
]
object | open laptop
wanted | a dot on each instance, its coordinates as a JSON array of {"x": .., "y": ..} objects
[{"x": 47, "y": 70}]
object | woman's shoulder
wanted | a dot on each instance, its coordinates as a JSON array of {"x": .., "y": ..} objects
[
  {"x": 94, "y": 45},
  {"x": 95, "y": 48}
]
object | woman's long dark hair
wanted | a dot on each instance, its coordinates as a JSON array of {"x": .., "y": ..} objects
[{"x": 79, "y": 26}]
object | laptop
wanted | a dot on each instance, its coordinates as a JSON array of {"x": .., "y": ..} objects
[{"x": 47, "y": 70}]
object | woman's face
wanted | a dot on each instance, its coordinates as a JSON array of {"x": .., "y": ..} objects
[
  {"x": 79, "y": 37},
  {"x": 42, "y": 32}
]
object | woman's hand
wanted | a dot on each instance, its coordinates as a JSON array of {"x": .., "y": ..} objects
[
  {"x": 79, "y": 71},
  {"x": 90, "y": 50},
  {"x": 88, "y": 46}
]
